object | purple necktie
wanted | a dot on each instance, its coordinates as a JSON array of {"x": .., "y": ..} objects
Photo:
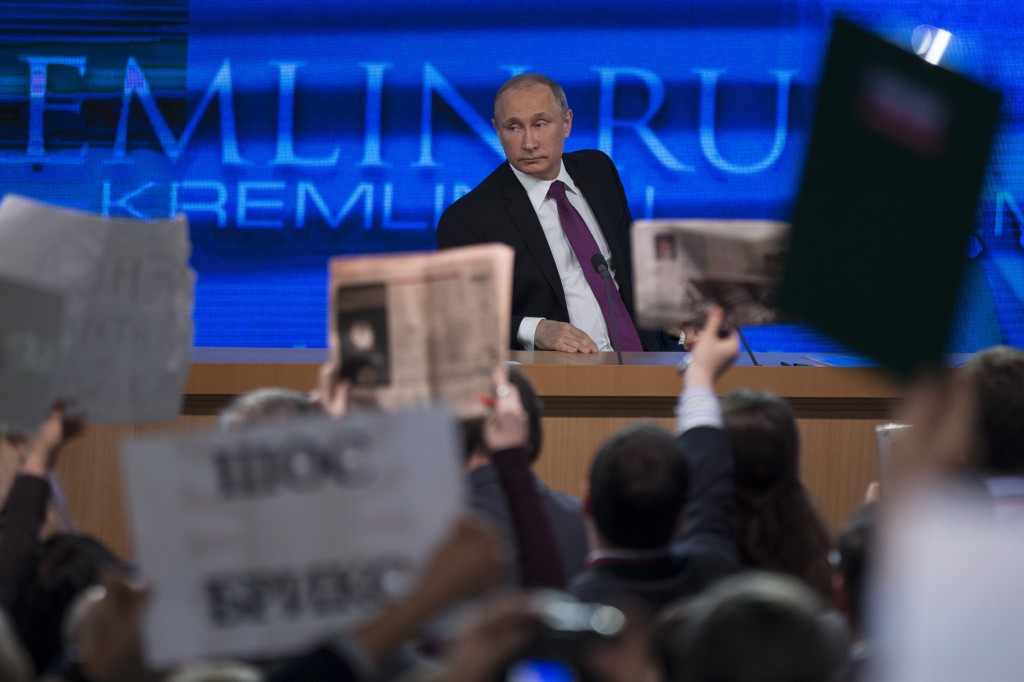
[{"x": 584, "y": 246}]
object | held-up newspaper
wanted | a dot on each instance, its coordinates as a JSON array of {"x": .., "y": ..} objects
[
  {"x": 412, "y": 329},
  {"x": 103, "y": 316},
  {"x": 684, "y": 266}
]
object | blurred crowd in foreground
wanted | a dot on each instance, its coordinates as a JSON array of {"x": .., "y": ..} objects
[{"x": 692, "y": 556}]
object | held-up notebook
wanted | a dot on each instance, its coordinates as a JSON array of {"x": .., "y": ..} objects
[{"x": 889, "y": 192}]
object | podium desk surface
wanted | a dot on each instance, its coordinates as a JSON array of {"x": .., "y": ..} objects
[{"x": 230, "y": 371}]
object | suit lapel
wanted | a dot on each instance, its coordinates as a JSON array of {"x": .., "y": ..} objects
[
  {"x": 520, "y": 210},
  {"x": 603, "y": 212}
]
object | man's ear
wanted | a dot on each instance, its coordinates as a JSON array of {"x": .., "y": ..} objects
[
  {"x": 494, "y": 124},
  {"x": 568, "y": 122},
  {"x": 588, "y": 502}
]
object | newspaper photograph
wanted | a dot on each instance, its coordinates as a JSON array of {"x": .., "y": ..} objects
[
  {"x": 412, "y": 329},
  {"x": 684, "y": 266}
]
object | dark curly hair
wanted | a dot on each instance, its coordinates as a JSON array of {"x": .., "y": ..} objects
[{"x": 780, "y": 527}]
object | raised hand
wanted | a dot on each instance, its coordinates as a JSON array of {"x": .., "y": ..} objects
[
  {"x": 331, "y": 393},
  {"x": 507, "y": 425},
  {"x": 39, "y": 451},
  {"x": 714, "y": 353}
]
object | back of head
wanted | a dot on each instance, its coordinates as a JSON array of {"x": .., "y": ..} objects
[
  {"x": 765, "y": 441},
  {"x": 638, "y": 487},
  {"x": 67, "y": 564},
  {"x": 265, "y": 404},
  {"x": 751, "y": 627},
  {"x": 780, "y": 528},
  {"x": 997, "y": 375}
]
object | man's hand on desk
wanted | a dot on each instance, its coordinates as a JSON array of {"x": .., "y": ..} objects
[{"x": 562, "y": 336}]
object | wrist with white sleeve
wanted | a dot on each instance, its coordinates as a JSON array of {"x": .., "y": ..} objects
[{"x": 698, "y": 406}]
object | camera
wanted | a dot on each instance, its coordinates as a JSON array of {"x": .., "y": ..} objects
[{"x": 567, "y": 628}]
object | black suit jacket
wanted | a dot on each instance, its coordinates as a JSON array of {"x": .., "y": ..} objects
[
  {"x": 705, "y": 549},
  {"x": 565, "y": 513},
  {"x": 499, "y": 210}
]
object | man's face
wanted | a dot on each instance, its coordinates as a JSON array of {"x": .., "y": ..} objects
[{"x": 532, "y": 130}]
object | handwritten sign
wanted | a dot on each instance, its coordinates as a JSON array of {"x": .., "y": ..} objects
[
  {"x": 129, "y": 294},
  {"x": 266, "y": 541}
]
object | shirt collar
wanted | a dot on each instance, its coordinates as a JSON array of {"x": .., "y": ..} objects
[{"x": 537, "y": 189}]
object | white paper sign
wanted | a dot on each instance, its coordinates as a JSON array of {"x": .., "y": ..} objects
[
  {"x": 948, "y": 604},
  {"x": 31, "y": 347},
  {"x": 129, "y": 295},
  {"x": 263, "y": 542}
]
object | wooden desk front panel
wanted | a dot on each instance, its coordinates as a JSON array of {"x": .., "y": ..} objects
[
  {"x": 838, "y": 450},
  {"x": 837, "y": 410}
]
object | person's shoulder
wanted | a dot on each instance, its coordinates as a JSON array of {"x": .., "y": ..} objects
[
  {"x": 587, "y": 158},
  {"x": 592, "y": 167},
  {"x": 483, "y": 477},
  {"x": 485, "y": 191},
  {"x": 562, "y": 502},
  {"x": 466, "y": 220},
  {"x": 703, "y": 561},
  {"x": 587, "y": 585},
  {"x": 592, "y": 154}
]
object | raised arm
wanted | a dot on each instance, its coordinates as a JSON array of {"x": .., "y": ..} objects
[
  {"x": 470, "y": 561},
  {"x": 711, "y": 513},
  {"x": 24, "y": 510},
  {"x": 506, "y": 433}
]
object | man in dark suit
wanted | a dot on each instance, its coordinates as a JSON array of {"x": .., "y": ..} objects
[
  {"x": 554, "y": 306},
  {"x": 660, "y": 511}
]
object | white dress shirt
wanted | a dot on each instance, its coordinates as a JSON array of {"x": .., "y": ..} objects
[{"x": 584, "y": 310}]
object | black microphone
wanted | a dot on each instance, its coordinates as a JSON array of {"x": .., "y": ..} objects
[
  {"x": 750, "y": 351},
  {"x": 601, "y": 265}
]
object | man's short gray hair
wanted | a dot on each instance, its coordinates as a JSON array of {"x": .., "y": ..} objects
[
  {"x": 265, "y": 404},
  {"x": 525, "y": 80}
]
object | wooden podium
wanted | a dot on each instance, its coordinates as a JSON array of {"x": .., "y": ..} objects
[{"x": 586, "y": 398}]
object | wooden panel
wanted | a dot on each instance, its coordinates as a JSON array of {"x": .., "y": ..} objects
[
  {"x": 586, "y": 399},
  {"x": 220, "y": 378},
  {"x": 838, "y": 455},
  {"x": 90, "y": 474},
  {"x": 838, "y": 461},
  {"x": 571, "y": 447}
]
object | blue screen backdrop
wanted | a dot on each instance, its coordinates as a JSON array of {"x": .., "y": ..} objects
[{"x": 292, "y": 132}]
